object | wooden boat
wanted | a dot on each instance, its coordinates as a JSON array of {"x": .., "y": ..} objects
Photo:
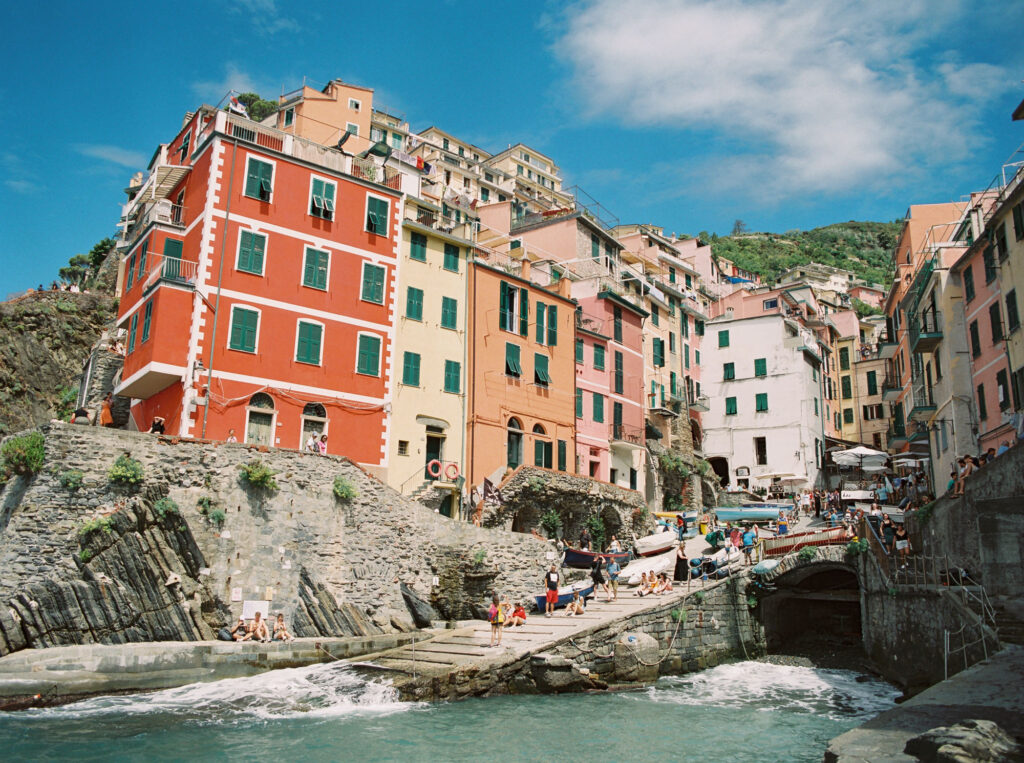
[
  {"x": 670, "y": 516},
  {"x": 750, "y": 512},
  {"x": 656, "y": 544},
  {"x": 793, "y": 541},
  {"x": 565, "y": 595},
  {"x": 583, "y": 560},
  {"x": 652, "y": 565}
]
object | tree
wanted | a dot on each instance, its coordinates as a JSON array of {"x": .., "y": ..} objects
[
  {"x": 77, "y": 270},
  {"x": 739, "y": 228},
  {"x": 258, "y": 108},
  {"x": 99, "y": 252}
]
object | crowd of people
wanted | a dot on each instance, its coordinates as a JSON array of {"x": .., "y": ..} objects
[
  {"x": 965, "y": 466},
  {"x": 316, "y": 443},
  {"x": 257, "y": 629}
]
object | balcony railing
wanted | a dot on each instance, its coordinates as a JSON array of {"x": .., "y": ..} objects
[
  {"x": 626, "y": 433},
  {"x": 367, "y": 169},
  {"x": 163, "y": 212},
  {"x": 896, "y": 434},
  {"x": 171, "y": 270},
  {"x": 464, "y": 229},
  {"x": 926, "y": 331}
]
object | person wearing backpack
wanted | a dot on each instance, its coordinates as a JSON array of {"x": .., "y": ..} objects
[{"x": 496, "y": 615}]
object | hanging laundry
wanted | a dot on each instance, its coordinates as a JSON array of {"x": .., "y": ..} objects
[{"x": 419, "y": 162}]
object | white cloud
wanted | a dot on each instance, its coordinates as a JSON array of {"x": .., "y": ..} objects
[
  {"x": 234, "y": 79},
  {"x": 816, "y": 97},
  {"x": 25, "y": 187},
  {"x": 131, "y": 159},
  {"x": 264, "y": 15}
]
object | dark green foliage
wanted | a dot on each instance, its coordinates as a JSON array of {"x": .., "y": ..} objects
[
  {"x": 672, "y": 462},
  {"x": 807, "y": 553},
  {"x": 863, "y": 309},
  {"x": 550, "y": 522},
  {"x": 101, "y": 524},
  {"x": 165, "y": 507},
  {"x": 217, "y": 517},
  {"x": 25, "y": 454},
  {"x": 66, "y": 403},
  {"x": 85, "y": 555},
  {"x": 344, "y": 490},
  {"x": 206, "y": 505},
  {"x": 857, "y": 547},
  {"x": 125, "y": 471},
  {"x": 595, "y": 525},
  {"x": 258, "y": 108},
  {"x": 258, "y": 474},
  {"x": 71, "y": 479}
]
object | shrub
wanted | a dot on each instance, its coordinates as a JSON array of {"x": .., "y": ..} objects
[
  {"x": 480, "y": 556},
  {"x": 703, "y": 467},
  {"x": 807, "y": 553},
  {"x": 751, "y": 602},
  {"x": 217, "y": 517},
  {"x": 595, "y": 525},
  {"x": 535, "y": 483},
  {"x": 699, "y": 596},
  {"x": 258, "y": 474},
  {"x": 100, "y": 524},
  {"x": 671, "y": 462},
  {"x": 25, "y": 454},
  {"x": 205, "y": 504},
  {"x": 924, "y": 514},
  {"x": 126, "y": 471},
  {"x": 344, "y": 490},
  {"x": 66, "y": 403},
  {"x": 71, "y": 479},
  {"x": 165, "y": 507},
  {"x": 85, "y": 555},
  {"x": 856, "y": 547},
  {"x": 678, "y": 615},
  {"x": 550, "y": 522}
]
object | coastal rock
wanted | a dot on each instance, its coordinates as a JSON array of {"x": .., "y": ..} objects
[
  {"x": 555, "y": 674},
  {"x": 969, "y": 741},
  {"x": 636, "y": 658},
  {"x": 423, "y": 615}
]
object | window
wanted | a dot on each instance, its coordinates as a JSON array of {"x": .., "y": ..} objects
[
  {"x": 761, "y": 401},
  {"x": 142, "y": 261},
  {"x": 308, "y": 342},
  {"x": 771, "y": 304},
  {"x": 411, "y": 369},
  {"x": 512, "y": 298},
  {"x": 595, "y": 246},
  {"x": 418, "y": 247},
  {"x": 847, "y": 415},
  {"x": 1002, "y": 387},
  {"x": 598, "y": 408},
  {"x": 244, "y": 329},
  {"x": 289, "y": 117},
  {"x": 562, "y": 455},
  {"x": 968, "y": 283},
  {"x": 655, "y": 317},
  {"x": 186, "y": 141},
  {"x": 377, "y": 215},
  {"x": 552, "y": 325},
  {"x": 671, "y": 274},
  {"x": 129, "y": 273},
  {"x": 658, "y": 352},
  {"x": 451, "y": 258},
  {"x": 995, "y": 320},
  {"x": 982, "y": 409},
  {"x": 540, "y": 370},
  {"x": 760, "y": 366},
  {"x": 352, "y": 127},
  {"x": 698, "y": 327},
  {"x": 403, "y": 447},
  {"x": 512, "y": 367},
  {"x": 847, "y": 387},
  {"x": 353, "y": 104},
  {"x": 259, "y": 178},
  {"x": 397, "y": 140},
  {"x": 579, "y": 351},
  {"x": 314, "y": 273},
  {"x": 617, "y": 323},
  {"x": 541, "y": 448},
  {"x": 368, "y": 355},
  {"x": 373, "y": 283},
  {"x": 872, "y": 380},
  {"x": 251, "y": 248},
  {"x": 617, "y": 382},
  {"x": 133, "y": 329},
  {"x": 452, "y": 377},
  {"x": 686, "y": 356},
  {"x": 938, "y": 366},
  {"x": 728, "y": 371},
  {"x": 449, "y": 312},
  {"x": 671, "y": 384},
  {"x": 598, "y": 357},
  {"x": 672, "y": 342},
  {"x": 1012, "y": 316},
  {"x": 414, "y": 303},
  {"x": 844, "y": 358},
  {"x": 761, "y": 450},
  {"x": 147, "y": 320},
  {"x": 975, "y": 339},
  {"x": 321, "y": 199},
  {"x": 579, "y": 403},
  {"x": 684, "y": 323},
  {"x": 816, "y": 407},
  {"x": 723, "y": 338},
  {"x": 989, "y": 260},
  {"x": 541, "y": 316},
  {"x": 730, "y": 406}
]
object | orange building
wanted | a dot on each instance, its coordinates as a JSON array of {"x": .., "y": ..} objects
[
  {"x": 257, "y": 290},
  {"x": 521, "y": 376}
]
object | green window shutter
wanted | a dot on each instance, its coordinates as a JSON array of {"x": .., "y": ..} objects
[
  {"x": 451, "y": 257},
  {"x": 617, "y": 419},
  {"x": 316, "y": 204},
  {"x": 595, "y": 246},
  {"x": 185, "y": 143},
  {"x": 368, "y": 357},
  {"x": 847, "y": 415},
  {"x": 723, "y": 338},
  {"x": 659, "y": 352},
  {"x": 598, "y": 408},
  {"x": 308, "y": 347},
  {"x": 655, "y": 318},
  {"x": 698, "y": 327},
  {"x": 552, "y": 325},
  {"x": 132, "y": 332},
  {"x": 129, "y": 273},
  {"x": 452, "y": 376},
  {"x": 243, "y": 329},
  {"x": 815, "y": 406},
  {"x": 147, "y": 320},
  {"x": 728, "y": 371},
  {"x": 541, "y": 315},
  {"x": 503, "y": 308},
  {"x": 328, "y": 199},
  {"x": 414, "y": 303},
  {"x": 685, "y": 323},
  {"x": 142, "y": 260},
  {"x": 259, "y": 180},
  {"x": 579, "y": 351},
  {"x": 251, "y": 247},
  {"x": 671, "y": 341},
  {"x": 562, "y": 450},
  {"x": 696, "y": 357},
  {"x": 377, "y": 216},
  {"x": 314, "y": 273},
  {"x": 599, "y": 357},
  {"x": 172, "y": 249},
  {"x": 373, "y": 284},
  {"x": 579, "y": 403},
  {"x": 617, "y": 323},
  {"x": 760, "y": 366},
  {"x": 618, "y": 374},
  {"x": 686, "y": 355},
  {"x": 418, "y": 247},
  {"x": 538, "y": 452},
  {"x": 540, "y": 370},
  {"x": 872, "y": 383},
  {"x": 512, "y": 367},
  {"x": 449, "y": 312},
  {"x": 844, "y": 358},
  {"x": 730, "y": 406},
  {"x": 761, "y": 401},
  {"x": 411, "y": 369},
  {"x": 672, "y": 383},
  {"x": 524, "y": 312},
  {"x": 847, "y": 387}
]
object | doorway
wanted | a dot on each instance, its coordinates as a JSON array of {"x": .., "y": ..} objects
[
  {"x": 259, "y": 426},
  {"x": 434, "y": 450}
]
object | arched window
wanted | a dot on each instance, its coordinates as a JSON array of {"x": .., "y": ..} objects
[
  {"x": 515, "y": 443},
  {"x": 314, "y": 409},
  {"x": 261, "y": 400},
  {"x": 538, "y": 429},
  {"x": 259, "y": 422},
  {"x": 314, "y": 424}
]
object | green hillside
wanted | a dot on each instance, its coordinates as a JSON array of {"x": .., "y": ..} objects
[{"x": 862, "y": 248}]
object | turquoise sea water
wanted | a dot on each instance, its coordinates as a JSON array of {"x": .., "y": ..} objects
[{"x": 749, "y": 711}]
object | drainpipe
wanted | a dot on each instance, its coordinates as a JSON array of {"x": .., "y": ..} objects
[
  {"x": 471, "y": 425},
  {"x": 220, "y": 277},
  {"x": 465, "y": 364}
]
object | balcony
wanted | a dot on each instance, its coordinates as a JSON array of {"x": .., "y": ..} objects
[
  {"x": 926, "y": 331},
  {"x": 700, "y": 404},
  {"x": 663, "y": 408},
  {"x": 896, "y": 435},
  {"x": 464, "y": 230},
  {"x": 170, "y": 270},
  {"x": 162, "y": 212},
  {"x": 891, "y": 387},
  {"x": 626, "y": 437},
  {"x": 924, "y": 401},
  {"x": 886, "y": 345}
]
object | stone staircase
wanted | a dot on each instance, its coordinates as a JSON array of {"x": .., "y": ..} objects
[{"x": 1009, "y": 623}]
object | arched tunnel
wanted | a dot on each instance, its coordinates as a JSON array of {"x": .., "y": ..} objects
[{"x": 820, "y": 600}]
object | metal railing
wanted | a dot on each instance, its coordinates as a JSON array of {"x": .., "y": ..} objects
[
  {"x": 465, "y": 229},
  {"x": 367, "y": 169},
  {"x": 928, "y": 323},
  {"x": 626, "y": 433},
  {"x": 171, "y": 269},
  {"x": 162, "y": 212}
]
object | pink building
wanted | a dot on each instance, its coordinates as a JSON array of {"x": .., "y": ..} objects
[{"x": 869, "y": 295}]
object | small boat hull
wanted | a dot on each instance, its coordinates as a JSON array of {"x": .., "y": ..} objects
[
  {"x": 658, "y": 543},
  {"x": 763, "y": 513},
  {"x": 784, "y": 544},
  {"x": 565, "y": 595},
  {"x": 582, "y": 560}
]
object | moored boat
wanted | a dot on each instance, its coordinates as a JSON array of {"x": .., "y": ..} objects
[
  {"x": 750, "y": 512},
  {"x": 565, "y": 595},
  {"x": 652, "y": 565},
  {"x": 784, "y": 544},
  {"x": 581, "y": 560},
  {"x": 656, "y": 544}
]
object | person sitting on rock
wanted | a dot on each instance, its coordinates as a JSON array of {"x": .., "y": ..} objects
[
  {"x": 239, "y": 631},
  {"x": 281, "y": 630},
  {"x": 575, "y": 607},
  {"x": 518, "y": 616},
  {"x": 663, "y": 584},
  {"x": 256, "y": 630}
]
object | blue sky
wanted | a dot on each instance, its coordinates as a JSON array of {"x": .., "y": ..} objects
[{"x": 786, "y": 114}]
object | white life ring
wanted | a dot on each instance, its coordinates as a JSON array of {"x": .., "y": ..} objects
[
  {"x": 434, "y": 468},
  {"x": 451, "y": 472}
]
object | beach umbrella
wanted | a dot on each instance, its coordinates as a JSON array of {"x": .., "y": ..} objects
[
  {"x": 774, "y": 475},
  {"x": 794, "y": 480}
]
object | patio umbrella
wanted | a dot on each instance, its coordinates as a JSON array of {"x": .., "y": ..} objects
[
  {"x": 794, "y": 480},
  {"x": 774, "y": 475}
]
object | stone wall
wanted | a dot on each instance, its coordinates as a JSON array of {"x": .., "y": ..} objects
[{"x": 293, "y": 547}]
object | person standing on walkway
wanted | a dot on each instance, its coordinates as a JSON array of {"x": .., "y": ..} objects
[
  {"x": 749, "y": 539},
  {"x": 496, "y": 615},
  {"x": 106, "y": 416},
  {"x": 682, "y": 570},
  {"x": 597, "y": 575},
  {"x": 901, "y": 544},
  {"x": 551, "y": 595},
  {"x": 613, "y": 569},
  {"x": 680, "y": 526}
]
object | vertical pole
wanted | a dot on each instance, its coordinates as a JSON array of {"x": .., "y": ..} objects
[{"x": 945, "y": 654}]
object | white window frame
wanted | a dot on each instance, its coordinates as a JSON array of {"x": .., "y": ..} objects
[
  {"x": 349, "y": 125},
  {"x": 303, "y": 418},
  {"x": 273, "y": 185},
  {"x": 238, "y": 251},
  {"x": 366, "y": 214},
  {"x": 381, "y": 133},
  {"x": 259, "y": 328},
  {"x": 302, "y": 272},
  {"x": 325, "y": 180},
  {"x": 355, "y": 104},
  {"x": 323, "y": 336},
  {"x": 380, "y": 355},
  {"x": 384, "y": 288}
]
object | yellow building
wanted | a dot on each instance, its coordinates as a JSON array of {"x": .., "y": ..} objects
[{"x": 338, "y": 112}]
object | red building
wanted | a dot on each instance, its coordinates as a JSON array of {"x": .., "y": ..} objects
[{"x": 257, "y": 289}]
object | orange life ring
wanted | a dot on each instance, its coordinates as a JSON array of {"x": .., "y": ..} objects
[
  {"x": 451, "y": 472},
  {"x": 434, "y": 468}
]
